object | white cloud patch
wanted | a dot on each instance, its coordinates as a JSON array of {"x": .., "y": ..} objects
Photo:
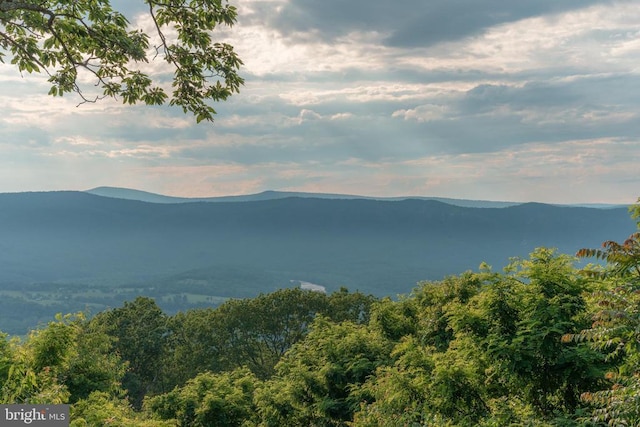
[
  {"x": 308, "y": 115},
  {"x": 341, "y": 116},
  {"x": 422, "y": 113}
]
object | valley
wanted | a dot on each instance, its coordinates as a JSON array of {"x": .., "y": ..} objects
[{"x": 75, "y": 251}]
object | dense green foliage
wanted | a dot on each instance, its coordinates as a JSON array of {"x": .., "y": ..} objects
[
  {"x": 71, "y": 41},
  {"x": 540, "y": 344}
]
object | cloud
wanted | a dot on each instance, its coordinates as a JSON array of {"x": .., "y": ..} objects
[
  {"x": 307, "y": 115},
  {"x": 412, "y": 23},
  {"x": 423, "y": 113}
]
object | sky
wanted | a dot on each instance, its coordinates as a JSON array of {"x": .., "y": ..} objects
[{"x": 528, "y": 100}]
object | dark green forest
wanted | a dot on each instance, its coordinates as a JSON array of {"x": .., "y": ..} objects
[{"x": 539, "y": 343}]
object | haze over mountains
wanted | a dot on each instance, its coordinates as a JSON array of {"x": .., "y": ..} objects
[
  {"x": 252, "y": 244},
  {"x": 130, "y": 194}
]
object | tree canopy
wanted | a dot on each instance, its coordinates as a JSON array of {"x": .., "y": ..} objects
[{"x": 79, "y": 43}]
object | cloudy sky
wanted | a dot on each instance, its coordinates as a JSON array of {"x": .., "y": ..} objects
[{"x": 528, "y": 100}]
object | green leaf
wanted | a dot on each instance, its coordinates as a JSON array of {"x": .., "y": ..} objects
[{"x": 61, "y": 38}]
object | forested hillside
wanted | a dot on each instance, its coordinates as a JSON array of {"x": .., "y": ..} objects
[
  {"x": 72, "y": 251},
  {"x": 541, "y": 343},
  {"x": 381, "y": 247}
]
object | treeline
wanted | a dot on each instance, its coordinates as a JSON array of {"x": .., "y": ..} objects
[{"x": 539, "y": 344}]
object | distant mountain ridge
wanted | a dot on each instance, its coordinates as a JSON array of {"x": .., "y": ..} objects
[
  {"x": 131, "y": 194},
  {"x": 243, "y": 248},
  {"x": 71, "y": 251}
]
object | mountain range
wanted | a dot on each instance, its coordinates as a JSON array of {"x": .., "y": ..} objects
[
  {"x": 253, "y": 244},
  {"x": 144, "y": 196}
]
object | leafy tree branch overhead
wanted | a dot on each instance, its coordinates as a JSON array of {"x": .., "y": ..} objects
[{"x": 68, "y": 39}]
